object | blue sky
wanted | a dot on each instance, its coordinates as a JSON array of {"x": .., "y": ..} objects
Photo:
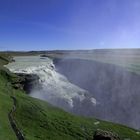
[{"x": 69, "y": 24}]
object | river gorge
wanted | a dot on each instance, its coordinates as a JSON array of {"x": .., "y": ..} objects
[{"x": 84, "y": 87}]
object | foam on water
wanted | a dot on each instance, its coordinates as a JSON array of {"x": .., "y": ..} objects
[{"x": 56, "y": 88}]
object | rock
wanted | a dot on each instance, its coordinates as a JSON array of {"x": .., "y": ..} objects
[
  {"x": 18, "y": 86},
  {"x": 43, "y": 55},
  {"x": 138, "y": 133},
  {"x": 26, "y": 82},
  {"x": 96, "y": 123},
  {"x": 105, "y": 135}
]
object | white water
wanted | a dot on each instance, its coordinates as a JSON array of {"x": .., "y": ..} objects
[{"x": 56, "y": 89}]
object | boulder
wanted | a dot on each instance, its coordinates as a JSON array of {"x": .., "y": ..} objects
[{"x": 105, "y": 135}]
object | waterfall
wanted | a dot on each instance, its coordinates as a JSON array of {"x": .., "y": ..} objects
[{"x": 55, "y": 87}]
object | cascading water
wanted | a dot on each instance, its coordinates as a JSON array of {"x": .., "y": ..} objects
[
  {"x": 72, "y": 84},
  {"x": 55, "y": 87}
]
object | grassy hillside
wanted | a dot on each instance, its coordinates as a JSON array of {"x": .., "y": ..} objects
[
  {"x": 6, "y": 132},
  {"x": 6, "y": 103},
  {"x": 39, "y": 120},
  {"x": 4, "y": 58}
]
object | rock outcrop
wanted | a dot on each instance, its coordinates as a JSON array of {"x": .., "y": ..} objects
[
  {"x": 26, "y": 82},
  {"x": 105, "y": 135},
  {"x": 29, "y": 81}
]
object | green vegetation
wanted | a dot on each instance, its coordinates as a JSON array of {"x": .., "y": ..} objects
[
  {"x": 6, "y": 132},
  {"x": 39, "y": 120},
  {"x": 4, "y": 58}
]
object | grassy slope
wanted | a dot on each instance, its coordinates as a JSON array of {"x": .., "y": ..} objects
[
  {"x": 6, "y": 132},
  {"x": 6, "y": 103},
  {"x": 40, "y": 121}
]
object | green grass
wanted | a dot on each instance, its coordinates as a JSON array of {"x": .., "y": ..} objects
[
  {"x": 39, "y": 120},
  {"x": 6, "y": 132}
]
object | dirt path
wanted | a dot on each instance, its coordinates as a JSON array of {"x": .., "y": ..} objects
[{"x": 13, "y": 122}]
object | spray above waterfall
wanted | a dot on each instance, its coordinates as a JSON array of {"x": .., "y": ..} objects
[
  {"x": 55, "y": 87},
  {"x": 103, "y": 85}
]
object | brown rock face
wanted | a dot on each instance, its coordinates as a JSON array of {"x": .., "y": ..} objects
[{"x": 105, "y": 135}]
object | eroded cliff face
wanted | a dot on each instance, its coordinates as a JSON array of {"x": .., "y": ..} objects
[
  {"x": 116, "y": 90},
  {"x": 27, "y": 82}
]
